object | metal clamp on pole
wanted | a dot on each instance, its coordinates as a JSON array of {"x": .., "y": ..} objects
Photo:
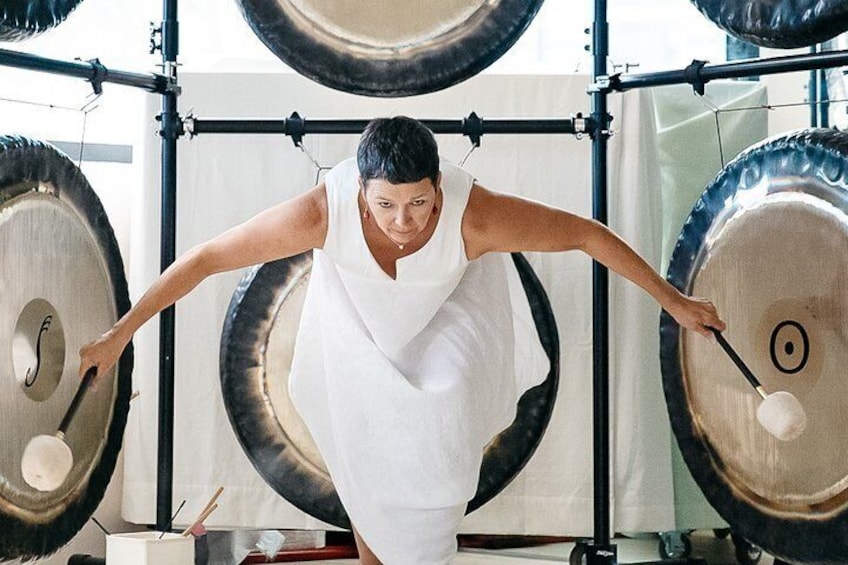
[
  {"x": 581, "y": 125},
  {"x": 188, "y": 125},
  {"x": 692, "y": 75},
  {"x": 472, "y": 127},
  {"x": 295, "y": 127},
  {"x": 99, "y": 75},
  {"x": 605, "y": 83},
  {"x": 598, "y": 125},
  {"x": 155, "y": 38},
  {"x": 171, "y": 126}
]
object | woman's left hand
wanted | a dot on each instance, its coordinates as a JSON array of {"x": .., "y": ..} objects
[{"x": 696, "y": 314}]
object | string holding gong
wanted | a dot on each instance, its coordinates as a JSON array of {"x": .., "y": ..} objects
[
  {"x": 785, "y": 24},
  {"x": 22, "y": 19},
  {"x": 256, "y": 352},
  {"x": 768, "y": 243},
  {"x": 62, "y": 283},
  {"x": 389, "y": 47}
]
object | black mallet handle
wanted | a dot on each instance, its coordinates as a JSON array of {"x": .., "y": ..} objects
[
  {"x": 738, "y": 362},
  {"x": 72, "y": 409}
]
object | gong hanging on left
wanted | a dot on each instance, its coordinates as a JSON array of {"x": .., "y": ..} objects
[
  {"x": 22, "y": 19},
  {"x": 61, "y": 285}
]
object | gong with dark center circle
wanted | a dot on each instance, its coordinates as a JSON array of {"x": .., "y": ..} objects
[
  {"x": 389, "y": 47},
  {"x": 256, "y": 353},
  {"x": 22, "y": 19},
  {"x": 785, "y": 24},
  {"x": 61, "y": 285},
  {"x": 768, "y": 243}
]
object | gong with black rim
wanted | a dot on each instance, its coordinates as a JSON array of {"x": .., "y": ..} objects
[
  {"x": 256, "y": 352},
  {"x": 785, "y": 24},
  {"x": 768, "y": 243},
  {"x": 389, "y": 47},
  {"x": 22, "y": 19},
  {"x": 62, "y": 284}
]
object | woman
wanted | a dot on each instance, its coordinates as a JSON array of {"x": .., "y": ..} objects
[{"x": 416, "y": 340}]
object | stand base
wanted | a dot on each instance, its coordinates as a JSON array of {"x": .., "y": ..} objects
[{"x": 590, "y": 553}]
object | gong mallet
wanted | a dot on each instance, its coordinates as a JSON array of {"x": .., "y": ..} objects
[
  {"x": 780, "y": 413},
  {"x": 47, "y": 459}
]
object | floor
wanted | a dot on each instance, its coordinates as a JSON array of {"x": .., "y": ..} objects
[{"x": 713, "y": 550}]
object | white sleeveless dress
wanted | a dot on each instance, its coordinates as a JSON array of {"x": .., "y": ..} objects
[{"x": 403, "y": 382}]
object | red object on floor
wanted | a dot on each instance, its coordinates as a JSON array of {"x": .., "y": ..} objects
[{"x": 335, "y": 552}]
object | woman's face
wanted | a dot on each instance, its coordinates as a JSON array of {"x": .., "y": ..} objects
[{"x": 401, "y": 211}]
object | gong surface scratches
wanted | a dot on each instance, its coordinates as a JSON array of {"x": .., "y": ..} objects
[
  {"x": 22, "y": 19},
  {"x": 785, "y": 24},
  {"x": 62, "y": 285},
  {"x": 389, "y": 47},
  {"x": 768, "y": 244},
  {"x": 256, "y": 353}
]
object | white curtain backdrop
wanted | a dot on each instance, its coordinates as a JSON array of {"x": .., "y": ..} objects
[{"x": 225, "y": 179}]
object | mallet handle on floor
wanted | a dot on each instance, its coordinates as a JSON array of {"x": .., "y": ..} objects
[
  {"x": 72, "y": 409},
  {"x": 739, "y": 363}
]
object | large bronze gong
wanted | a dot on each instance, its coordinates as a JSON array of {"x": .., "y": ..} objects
[
  {"x": 256, "y": 353},
  {"x": 22, "y": 19},
  {"x": 784, "y": 24},
  {"x": 389, "y": 47},
  {"x": 768, "y": 243},
  {"x": 61, "y": 285}
]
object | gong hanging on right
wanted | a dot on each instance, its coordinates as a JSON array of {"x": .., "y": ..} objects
[
  {"x": 768, "y": 243},
  {"x": 785, "y": 24}
]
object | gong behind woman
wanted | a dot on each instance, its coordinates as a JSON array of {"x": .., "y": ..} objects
[
  {"x": 768, "y": 243},
  {"x": 256, "y": 353}
]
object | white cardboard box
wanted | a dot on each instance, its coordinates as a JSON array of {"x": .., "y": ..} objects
[{"x": 145, "y": 548}]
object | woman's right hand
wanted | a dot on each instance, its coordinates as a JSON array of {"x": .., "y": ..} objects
[{"x": 102, "y": 353}]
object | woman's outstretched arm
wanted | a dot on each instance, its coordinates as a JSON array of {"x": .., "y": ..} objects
[
  {"x": 289, "y": 228},
  {"x": 504, "y": 223}
]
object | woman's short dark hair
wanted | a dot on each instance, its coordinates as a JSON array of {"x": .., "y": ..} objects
[{"x": 399, "y": 150}]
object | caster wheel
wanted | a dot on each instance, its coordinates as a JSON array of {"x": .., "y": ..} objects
[
  {"x": 746, "y": 552},
  {"x": 675, "y": 545},
  {"x": 578, "y": 555}
]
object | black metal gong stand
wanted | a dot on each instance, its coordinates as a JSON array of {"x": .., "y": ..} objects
[{"x": 600, "y": 551}]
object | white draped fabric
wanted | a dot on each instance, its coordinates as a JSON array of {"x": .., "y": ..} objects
[{"x": 225, "y": 179}]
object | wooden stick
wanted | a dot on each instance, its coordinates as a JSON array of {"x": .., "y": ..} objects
[
  {"x": 203, "y": 515},
  {"x": 213, "y": 500},
  {"x": 207, "y": 510}
]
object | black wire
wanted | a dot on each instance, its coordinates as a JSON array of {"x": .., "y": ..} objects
[
  {"x": 171, "y": 521},
  {"x": 99, "y": 525}
]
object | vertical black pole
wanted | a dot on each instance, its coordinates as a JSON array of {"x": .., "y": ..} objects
[
  {"x": 601, "y": 551},
  {"x": 813, "y": 93},
  {"x": 824, "y": 100},
  {"x": 169, "y": 129}
]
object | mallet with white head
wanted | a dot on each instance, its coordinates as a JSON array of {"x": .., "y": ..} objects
[
  {"x": 47, "y": 459},
  {"x": 780, "y": 413}
]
